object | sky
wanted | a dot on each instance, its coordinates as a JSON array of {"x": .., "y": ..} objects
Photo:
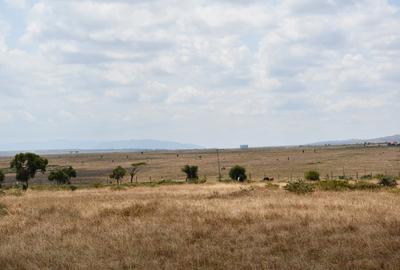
[{"x": 216, "y": 73}]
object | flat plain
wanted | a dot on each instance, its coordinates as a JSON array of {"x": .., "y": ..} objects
[
  {"x": 280, "y": 163},
  {"x": 212, "y": 225}
]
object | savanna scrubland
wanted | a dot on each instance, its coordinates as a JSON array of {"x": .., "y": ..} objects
[{"x": 350, "y": 224}]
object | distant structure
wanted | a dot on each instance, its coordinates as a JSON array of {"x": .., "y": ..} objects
[{"x": 244, "y": 146}]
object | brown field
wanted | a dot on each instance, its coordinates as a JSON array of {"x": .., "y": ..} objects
[
  {"x": 280, "y": 163},
  {"x": 207, "y": 226}
]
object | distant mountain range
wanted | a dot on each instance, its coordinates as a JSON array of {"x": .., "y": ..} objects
[
  {"x": 98, "y": 145},
  {"x": 394, "y": 138}
]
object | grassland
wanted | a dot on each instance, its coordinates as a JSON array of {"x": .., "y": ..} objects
[
  {"x": 208, "y": 226},
  {"x": 280, "y": 163},
  {"x": 162, "y": 225}
]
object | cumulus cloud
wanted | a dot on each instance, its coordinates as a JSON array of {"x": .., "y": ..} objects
[{"x": 179, "y": 70}]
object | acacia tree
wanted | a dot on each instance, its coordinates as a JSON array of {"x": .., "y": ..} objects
[
  {"x": 63, "y": 176},
  {"x": 26, "y": 166},
  {"x": 135, "y": 168},
  {"x": 2, "y": 177},
  {"x": 191, "y": 172},
  {"x": 118, "y": 174}
]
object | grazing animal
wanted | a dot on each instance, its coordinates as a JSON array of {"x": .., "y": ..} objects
[{"x": 268, "y": 179}]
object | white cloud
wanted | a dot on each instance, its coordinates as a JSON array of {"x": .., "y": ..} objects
[
  {"x": 168, "y": 62},
  {"x": 20, "y": 4}
]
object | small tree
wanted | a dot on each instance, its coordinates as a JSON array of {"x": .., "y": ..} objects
[
  {"x": 26, "y": 165},
  {"x": 311, "y": 175},
  {"x": 135, "y": 168},
  {"x": 191, "y": 172},
  {"x": 238, "y": 173},
  {"x": 63, "y": 176},
  {"x": 118, "y": 174},
  {"x": 2, "y": 177}
]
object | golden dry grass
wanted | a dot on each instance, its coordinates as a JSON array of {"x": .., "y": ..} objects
[{"x": 210, "y": 226}]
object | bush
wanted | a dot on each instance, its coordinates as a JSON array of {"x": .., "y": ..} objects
[
  {"x": 62, "y": 175},
  {"x": 97, "y": 185},
  {"x": 388, "y": 181},
  {"x": 299, "y": 187},
  {"x": 191, "y": 172},
  {"x": 366, "y": 177},
  {"x": 340, "y": 185},
  {"x": 2, "y": 177},
  {"x": 3, "y": 210},
  {"x": 311, "y": 175},
  {"x": 238, "y": 173},
  {"x": 362, "y": 185}
]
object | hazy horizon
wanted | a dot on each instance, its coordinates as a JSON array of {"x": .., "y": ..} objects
[{"x": 212, "y": 73}]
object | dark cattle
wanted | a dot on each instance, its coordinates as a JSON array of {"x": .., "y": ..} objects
[{"x": 268, "y": 179}]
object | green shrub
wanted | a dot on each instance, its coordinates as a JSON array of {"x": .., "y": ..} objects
[
  {"x": 311, "y": 175},
  {"x": 97, "y": 185},
  {"x": 366, "y": 177},
  {"x": 299, "y": 187},
  {"x": 238, "y": 173},
  {"x": 344, "y": 177},
  {"x": 3, "y": 210},
  {"x": 388, "y": 181},
  {"x": 362, "y": 185}
]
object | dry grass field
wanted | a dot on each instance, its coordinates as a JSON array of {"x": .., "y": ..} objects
[
  {"x": 280, "y": 163},
  {"x": 207, "y": 226}
]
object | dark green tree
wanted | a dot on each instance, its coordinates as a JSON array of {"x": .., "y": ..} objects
[
  {"x": 2, "y": 177},
  {"x": 26, "y": 166},
  {"x": 118, "y": 174},
  {"x": 238, "y": 173},
  {"x": 387, "y": 181},
  {"x": 63, "y": 176},
  {"x": 191, "y": 172},
  {"x": 135, "y": 168}
]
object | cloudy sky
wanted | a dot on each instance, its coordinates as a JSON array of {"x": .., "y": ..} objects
[{"x": 210, "y": 72}]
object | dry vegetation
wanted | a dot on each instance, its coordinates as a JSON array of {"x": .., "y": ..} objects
[
  {"x": 208, "y": 226},
  {"x": 280, "y": 163}
]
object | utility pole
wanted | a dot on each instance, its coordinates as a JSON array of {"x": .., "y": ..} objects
[{"x": 219, "y": 167}]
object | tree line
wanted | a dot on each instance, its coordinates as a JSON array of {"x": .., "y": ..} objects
[{"x": 27, "y": 165}]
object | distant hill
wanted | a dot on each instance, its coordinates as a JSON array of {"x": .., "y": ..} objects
[
  {"x": 97, "y": 145},
  {"x": 394, "y": 138}
]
